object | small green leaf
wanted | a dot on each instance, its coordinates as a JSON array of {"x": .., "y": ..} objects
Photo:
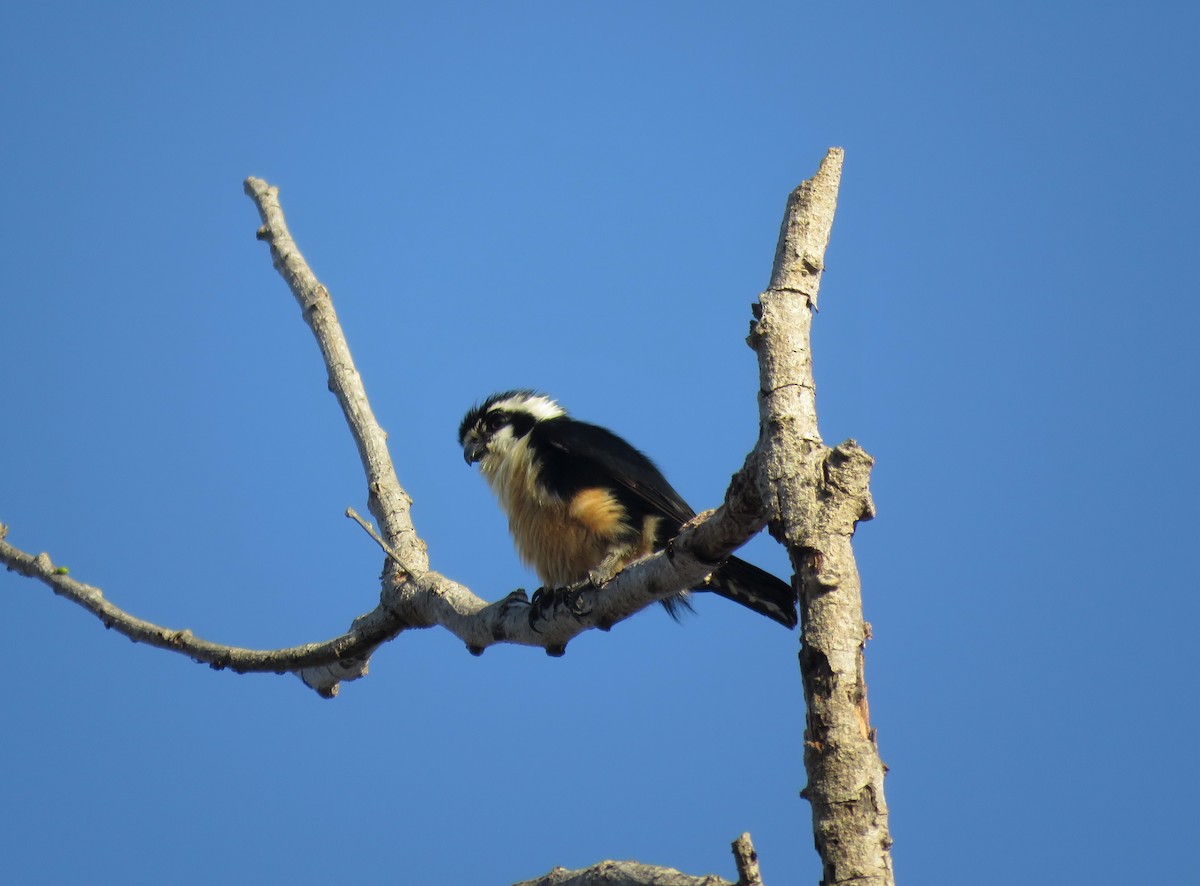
[{"x": 62, "y": 570}]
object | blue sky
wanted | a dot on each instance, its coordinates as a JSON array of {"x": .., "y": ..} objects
[{"x": 585, "y": 199}]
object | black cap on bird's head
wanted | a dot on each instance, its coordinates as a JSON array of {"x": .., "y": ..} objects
[{"x": 517, "y": 410}]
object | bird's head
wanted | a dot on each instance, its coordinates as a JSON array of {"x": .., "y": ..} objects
[{"x": 501, "y": 420}]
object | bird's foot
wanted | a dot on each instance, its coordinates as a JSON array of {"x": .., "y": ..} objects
[{"x": 546, "y": 603}]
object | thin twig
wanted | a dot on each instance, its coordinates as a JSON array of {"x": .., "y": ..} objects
[{"x": 384, "y": 546}]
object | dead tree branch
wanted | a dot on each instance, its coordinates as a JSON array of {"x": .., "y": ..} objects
[
  {"x": 632, "y": 873},
  {"x": 812, "y": 496},
  {"x": 413, "y": 596},
  {"x": 623, "y": 873},
  {"x": 747, "y": 862},
  {"x": 816, "y": 496}
]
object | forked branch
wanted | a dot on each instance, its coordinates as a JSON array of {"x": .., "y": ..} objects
[
  {"x": 413, "y": 596},
  {"x": 812, "y": 495}
]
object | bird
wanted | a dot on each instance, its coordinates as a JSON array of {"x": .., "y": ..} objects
[{"x": 582, "y": 503}]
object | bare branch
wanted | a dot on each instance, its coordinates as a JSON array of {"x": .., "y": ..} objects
[
  {"x": 816, "y": 497},
  {"x": 416, "y": 597},
  {"x": 433, "y": 599},
  {"x": 387, "y": 501},
  {"x": 747, "y": 862},
  {"x": 813, "y": 495},
  {"x": 632, "y": 873},
  {"x": 366, "y": 634},
  {"x": 709, "y": 538},
  {"x": 623, "y": 873},
  {"x": 413, "y": 596}
]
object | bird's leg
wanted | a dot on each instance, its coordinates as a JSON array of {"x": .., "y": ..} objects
[
  {"x": 614, "y": 561},
  {"x": 546, "y": 601}
]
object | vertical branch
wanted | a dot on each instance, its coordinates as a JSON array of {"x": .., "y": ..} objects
[{"x": 815, "y": 496}]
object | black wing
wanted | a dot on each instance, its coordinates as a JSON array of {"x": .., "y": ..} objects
[{"x": 575, "y": 455}]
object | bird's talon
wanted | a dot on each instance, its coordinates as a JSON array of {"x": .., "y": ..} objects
[
  {"x": 547, "y": 601},
  {"x": 539, "y": 604}
]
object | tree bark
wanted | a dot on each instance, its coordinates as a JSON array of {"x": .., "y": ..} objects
[
  {"x": 816, "y": 496},
  {"x": 633, "y": 873}
]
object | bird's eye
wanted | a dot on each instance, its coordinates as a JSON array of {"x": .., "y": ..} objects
[{"x": 494, "y": 420}]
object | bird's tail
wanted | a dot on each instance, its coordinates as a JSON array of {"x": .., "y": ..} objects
[{"x": 755, "y": 589}]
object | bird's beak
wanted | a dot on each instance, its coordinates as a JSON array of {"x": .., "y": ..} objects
[{"x": 473, "y": 451}]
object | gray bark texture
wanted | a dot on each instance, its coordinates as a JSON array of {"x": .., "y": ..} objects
[
  {"x": 633, "y": 873},
  {"x": 816, "y": 496},
  {"x": 623, "y": 873}
]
